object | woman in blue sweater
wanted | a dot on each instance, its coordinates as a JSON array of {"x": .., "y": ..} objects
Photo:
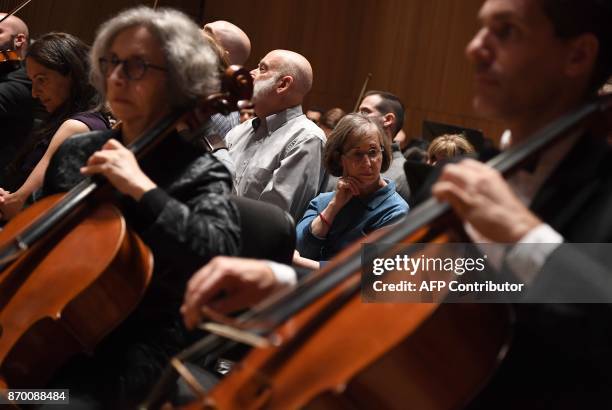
[{"x": 357, "y": 151}]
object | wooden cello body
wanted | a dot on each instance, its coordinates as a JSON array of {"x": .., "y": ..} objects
[{"x": 63, "y": 296}]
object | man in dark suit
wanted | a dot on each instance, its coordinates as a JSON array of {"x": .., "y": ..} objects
[
  {"x": 536, "y": 60},
  {"x": 17, "y": 106}
]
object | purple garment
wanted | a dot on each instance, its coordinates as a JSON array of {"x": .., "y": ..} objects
[{"x": 95, "y": 121}]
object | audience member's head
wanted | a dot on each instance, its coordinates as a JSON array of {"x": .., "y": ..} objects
[
  {"x": 344, "y": 153},
  {"x": 386, "y": 108},
  {"x": 14, "y": 34},
  {"x": 448, "y": 146},
  {"x": 415, "y": 154},
  {"x": 246, "y": 114},
  {"x": 232, "y": 39},
  {"x": 314, "y": 115},
  {"x": 419, "y": 143},
  {"x": 330, "y": 119},
  {"x": 280, "y": 81},
  {"x": 58, "y": 65}
]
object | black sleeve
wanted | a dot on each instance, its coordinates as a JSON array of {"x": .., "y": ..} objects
[
  {"x": 575, "y": 273},
  {"x": 63, "y": 172},
  {"x": 15, "y": 95},
  {"x": 197, "y": 221}
]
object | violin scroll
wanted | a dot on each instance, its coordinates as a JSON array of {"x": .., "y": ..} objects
[{"x": 236, "y": 92}]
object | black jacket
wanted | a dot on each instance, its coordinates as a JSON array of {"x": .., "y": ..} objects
[
  {"x": 186, "y": 221},
  {"x": 17, "y": 112},
  {"x": 561, "y": 354}
]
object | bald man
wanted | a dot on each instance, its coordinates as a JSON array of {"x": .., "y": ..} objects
[
  {"x": 278, "y": 154},
  {"x": 234, "y": 47},
  {"x": 13, "y": 34},
  {"x": 234, "y": 41},
  {"x": 17, "y": 107}
]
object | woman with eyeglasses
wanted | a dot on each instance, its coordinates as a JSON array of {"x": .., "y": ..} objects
[
  {"x": 148, "y": 64},
  {"x": 58, "y": 66},
  {"x": 357, "y": 152}
]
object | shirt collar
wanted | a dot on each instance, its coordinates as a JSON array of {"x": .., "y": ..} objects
[
  {"x": 274, "y": 121},
  {"x": 377, "y": 198}
]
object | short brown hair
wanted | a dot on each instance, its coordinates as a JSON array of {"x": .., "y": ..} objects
[
  {"x": 390, "y": 103},
  {"x": 448, "y": 146},
  {"x": 571, "y": 18},
  {"x": 331, "y": 117},
  {"x": 353, "y": 127}
]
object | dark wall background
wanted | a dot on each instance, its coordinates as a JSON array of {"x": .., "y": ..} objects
[{"x": 413, "y": 48}]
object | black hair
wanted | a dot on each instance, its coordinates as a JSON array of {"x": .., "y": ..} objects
[
  {"x": 571, "y": 18},
  {"x": 390, "y": 103}
]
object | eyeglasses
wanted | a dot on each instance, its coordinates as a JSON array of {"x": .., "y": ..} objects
[
  {"x": 134, "y": 68},
  {"x": 356, "y": 155}
]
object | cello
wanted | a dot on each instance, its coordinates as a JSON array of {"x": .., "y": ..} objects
[
  {"x": 49, "y": 293},
  {"x": 318, "y": 346}
]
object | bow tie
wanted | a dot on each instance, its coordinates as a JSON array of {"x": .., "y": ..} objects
[{"x": 530, "y": 164}]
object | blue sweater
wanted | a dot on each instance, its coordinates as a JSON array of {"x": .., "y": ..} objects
[{"x": 355, "y": 220}]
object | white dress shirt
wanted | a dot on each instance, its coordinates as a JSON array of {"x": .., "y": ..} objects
[
  {"x": 278, "y": 159},
  {"x": 526, "y": 261}
]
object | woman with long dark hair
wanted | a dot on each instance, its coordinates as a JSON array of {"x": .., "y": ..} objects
[{"x": 58, "y": 65}]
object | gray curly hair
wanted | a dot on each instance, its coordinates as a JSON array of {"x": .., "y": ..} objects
[{"x": 192, "y": 64}]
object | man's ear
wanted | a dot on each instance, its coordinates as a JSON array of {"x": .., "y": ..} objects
[
  {"x": 285, "y": 83},
  {"x": 582, "y": 55},
  {"x": 20, "y": 40},
  {"x": 388, "y": 120}
]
